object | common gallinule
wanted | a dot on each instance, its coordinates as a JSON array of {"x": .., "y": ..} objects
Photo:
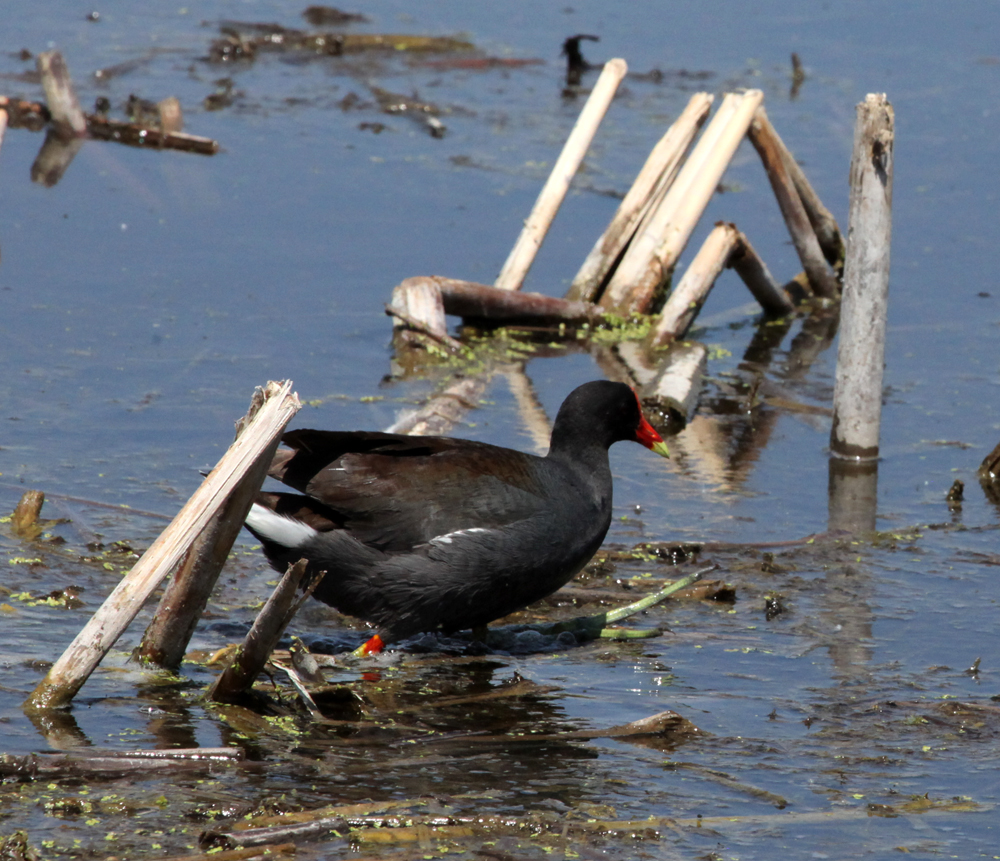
[{"x": 432, "y": 533}]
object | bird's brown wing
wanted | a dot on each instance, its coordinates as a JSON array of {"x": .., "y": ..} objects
[{"x": 395, "y": 492}]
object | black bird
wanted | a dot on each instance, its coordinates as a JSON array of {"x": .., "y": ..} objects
[{"x": 431, "y": 533}]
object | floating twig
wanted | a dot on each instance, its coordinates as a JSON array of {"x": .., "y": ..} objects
[
  {"x": 425, "y": 112},
  {"x": 133, "y": 134},
  {"x": 109, "y": 763},
  {"x": 69, "y": 122},
  {"x": 320, "y": 827},
  {"x": 34, "y": 116},
  {"x": 724, "y": 779}
]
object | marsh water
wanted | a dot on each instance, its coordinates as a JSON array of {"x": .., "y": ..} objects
[{"x": 146, "y": 294}]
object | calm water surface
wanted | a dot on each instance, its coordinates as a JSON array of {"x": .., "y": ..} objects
[{"x": 145, "y": 295}]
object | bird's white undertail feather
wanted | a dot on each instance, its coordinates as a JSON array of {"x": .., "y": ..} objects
[{"x": 275, "y": 527}]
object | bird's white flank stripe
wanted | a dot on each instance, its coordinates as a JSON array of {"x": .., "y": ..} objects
[
  {"x": 448, "y": 536},
  {"x": 275, "y": 527}
]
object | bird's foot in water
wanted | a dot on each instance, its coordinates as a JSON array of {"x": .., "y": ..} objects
[
  {"x": 583, "y": 628},
  {"x": 372, "y": 646}
]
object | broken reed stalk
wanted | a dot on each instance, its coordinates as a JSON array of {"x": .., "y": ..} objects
[
  {"x": 403, "y": 319},
  {"x": 70, "y": 123},
  {"x": 171, "y": 115},
  {"x": 650, "y": 259},
  {"x": 186, "y": 595},
  {"x": 689, "y": 295},
  {"x": 523, "y": 253},
  {"x": 421, "y": 303},
  {"x": 133, "y": 134},
  {"x": 640, "y": 255},
  {"x": 648, "y": 189},
  {"x": 668, "y": 382},
  {"x": 262, "y": 637},
  {"x": 768, "y": 146},
  {"x": 857, "y": 395},
  {"x": 26, "y": 514},
  {"x": 725, "y": 247},
  {"x": 677, "y": 385},
  {"x": 419, "y": 299},
  {"x": 746, "y": 263},
  {"x": 67, "y": 118},
  {"x": 822, "y": 220},
  {"x": 481, "y": 302},
  {"x": 69, "y": 673}
]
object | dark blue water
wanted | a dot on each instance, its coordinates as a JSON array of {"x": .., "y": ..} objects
[{"x": 145, "y": 295}]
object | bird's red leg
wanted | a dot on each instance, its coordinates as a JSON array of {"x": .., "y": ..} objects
[{"x": 370, "y": 647}]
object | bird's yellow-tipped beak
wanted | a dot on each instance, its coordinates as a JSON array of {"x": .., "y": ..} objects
[
  {"x": 660, "y": 448},
  {"x": 646, "y": 435}
]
